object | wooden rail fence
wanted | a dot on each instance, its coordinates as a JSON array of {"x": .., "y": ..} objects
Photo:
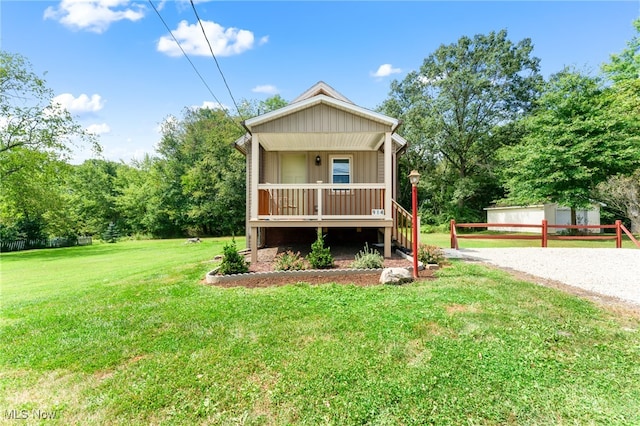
[{"x": 544, "y": 236}]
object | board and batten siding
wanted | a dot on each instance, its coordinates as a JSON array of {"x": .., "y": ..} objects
[{"x": 321, "y": 119}]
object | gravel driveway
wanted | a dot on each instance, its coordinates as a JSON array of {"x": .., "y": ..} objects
[{"x": 612, "y": 272}]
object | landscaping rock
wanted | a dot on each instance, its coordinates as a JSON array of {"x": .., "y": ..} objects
[{"x": 396, "y": 276}]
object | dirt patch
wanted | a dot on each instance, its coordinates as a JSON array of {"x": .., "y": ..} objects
[{"x": 457, "y": 308}]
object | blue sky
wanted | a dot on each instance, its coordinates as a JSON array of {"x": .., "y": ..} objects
[{"x": 116, "y": 68}]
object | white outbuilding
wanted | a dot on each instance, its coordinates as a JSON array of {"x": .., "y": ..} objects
[{"x": 533, "y": 215}]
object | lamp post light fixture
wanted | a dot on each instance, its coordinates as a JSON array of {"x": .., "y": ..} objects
[{"x": 414, "y": 178}]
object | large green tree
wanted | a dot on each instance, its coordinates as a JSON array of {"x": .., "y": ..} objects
[
  {"x": 198, "y": 184},
  {"x": 622, "y": 192},
  {"x": 625, "y": 66},
  {"x": 92, "y": 196},
  {"x": 457, "y": 110},
  {"x": 577, "y": 137},
  {"x": 135, "y": 201},
  {"x": 36, "y": 137},
  {"x": 215, "y": 179}
]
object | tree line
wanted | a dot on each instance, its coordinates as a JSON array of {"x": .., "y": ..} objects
[{"x": 484, "y": 127}]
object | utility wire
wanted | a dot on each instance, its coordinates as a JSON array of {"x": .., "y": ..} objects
[
  {"x": 194, "y": 67},
  {"x": 193, "y": 6}
]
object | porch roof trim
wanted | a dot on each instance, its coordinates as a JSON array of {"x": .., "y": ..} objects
[
  {"x": 320, "y": 142},
  {"x": 322, "y": 99}
]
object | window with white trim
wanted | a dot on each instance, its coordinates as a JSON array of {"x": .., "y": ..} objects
[{"x": 341, "y": 170}]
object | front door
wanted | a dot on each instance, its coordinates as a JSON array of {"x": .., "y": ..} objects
[{"x": 293, "y": 169}]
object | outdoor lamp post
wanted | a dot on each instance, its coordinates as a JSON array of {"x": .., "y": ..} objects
[{"x": 414, "y": 177}]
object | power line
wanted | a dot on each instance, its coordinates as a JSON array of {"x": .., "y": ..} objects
[
  {"x": 214, "y": 58},
  {"x": 194, "y": 67}
]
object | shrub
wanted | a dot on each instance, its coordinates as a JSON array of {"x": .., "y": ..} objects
[
  {"x": 112, "y": 234},
  {"x": 232, "y": 261},
  {"x": 289, "y": 261},
  {"x": 368, "y": 259},
  {"x": 430, "y": 254},
  {"x": 320, "y": 256}
]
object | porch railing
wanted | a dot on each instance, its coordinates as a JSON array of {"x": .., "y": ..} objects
[
  {"x": 320, "y": 200},
  {"x": 401, "y": 231}
]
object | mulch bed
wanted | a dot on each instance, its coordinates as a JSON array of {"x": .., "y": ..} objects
[
  {"x": 361, "y": 279},
  {"x": 342, "y": 260}
]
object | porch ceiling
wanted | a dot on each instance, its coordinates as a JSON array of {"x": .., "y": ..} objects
[{"x": 321, "y": 141}]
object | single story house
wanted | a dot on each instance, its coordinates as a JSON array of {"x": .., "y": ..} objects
[{"x": 322, "y": 163}]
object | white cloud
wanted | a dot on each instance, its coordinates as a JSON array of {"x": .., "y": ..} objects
[
  {"x": 428, "y": 81},
  {"x": 168, "y": 123},
  {"x": 212, "y": 105},
  {"x": 385, "y": 70},
  {"x": 99, "y": 129},
  {"x": 263, "y": 40},
  {"x": 4, "y": 122},
  {"x": 121, "y": 153},
  {"x": 81, "y": 104},
  {"x": 224, "y": 41},
  {"x": 93, "y": 15},
  {"x": 267, "y": 89}
]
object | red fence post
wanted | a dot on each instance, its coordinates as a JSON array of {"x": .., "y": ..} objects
[
  {"x": 452, "y": 231},
  {"x": 618, "y": 234},
  {"x": 544, "y": 232}
]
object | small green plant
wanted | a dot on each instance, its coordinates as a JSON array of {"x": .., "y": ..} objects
[
  {"x": 320, "y": 256},
  {"x": 289, "y": 261},
  {"x": 368, "y": 259},
  {"x": 430, "y": 254},
  {"x": 232, "y": 261},
  {"x": 111, "y": 234}
]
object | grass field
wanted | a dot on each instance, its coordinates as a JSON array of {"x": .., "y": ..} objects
[{"x": 126, "y": 334}]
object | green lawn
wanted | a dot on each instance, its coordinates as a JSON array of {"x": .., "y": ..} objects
[{"x": 126, "y": 334}]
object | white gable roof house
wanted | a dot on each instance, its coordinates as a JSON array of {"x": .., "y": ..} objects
[{"x": 322, "y": 162}]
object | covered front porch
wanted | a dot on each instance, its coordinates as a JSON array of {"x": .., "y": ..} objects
[
  {"x": 327, "y": 206},
  {"x": 322, "y": 162}
]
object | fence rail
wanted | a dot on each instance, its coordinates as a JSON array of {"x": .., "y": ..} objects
[
  {"x": 544, "y": 236},
  {"x": 18, "y": 245}
]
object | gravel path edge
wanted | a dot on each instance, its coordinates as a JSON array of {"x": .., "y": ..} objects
[{"x": 609, "y": 272}]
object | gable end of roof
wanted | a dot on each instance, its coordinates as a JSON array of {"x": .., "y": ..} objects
[{"x": 321, "y": 88}]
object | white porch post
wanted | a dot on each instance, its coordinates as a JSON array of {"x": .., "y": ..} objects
[
  {"x": 388, "y": 189},
  {"x": 255, "y": 175},
  {"x": 319, "y": 196},
  {"x": 254, "y": 244}
]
